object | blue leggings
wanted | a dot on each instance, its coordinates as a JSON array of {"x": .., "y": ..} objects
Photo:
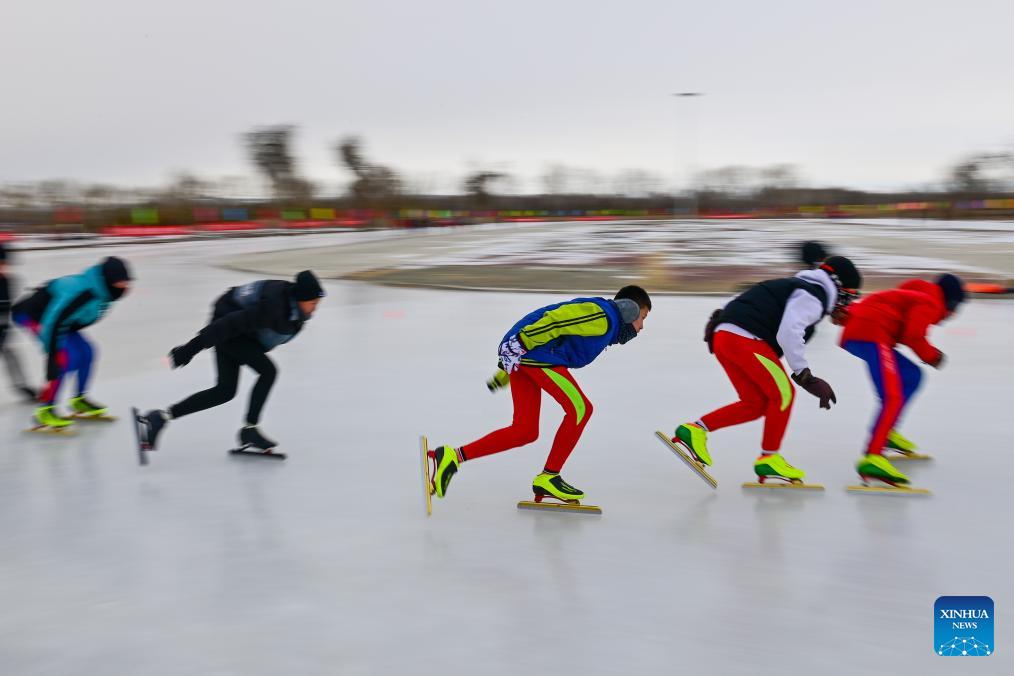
[
  {"x": 896, "y": 379},
  {"x": 74, "y": 355}
]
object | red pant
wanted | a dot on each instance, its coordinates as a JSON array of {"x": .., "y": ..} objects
[
  {"x": 527, "y": 384},
  {"x": 763, "y": 386}
]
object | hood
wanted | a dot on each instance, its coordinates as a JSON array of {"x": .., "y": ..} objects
[
  {"x": 97, "y": 282},
  {"x": 930, "y": 289},
  {"x": 823, "y": 279}
]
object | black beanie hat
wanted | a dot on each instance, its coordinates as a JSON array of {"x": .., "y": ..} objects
[
  {"x": 843, "y": 272},
  {"x": 115, "y": 270},
  {"x": 954, "y": 290},
  {"x": 307, "y": 287}
]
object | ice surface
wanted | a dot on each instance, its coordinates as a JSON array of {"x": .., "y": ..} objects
[{"x": 207, "y": 564}]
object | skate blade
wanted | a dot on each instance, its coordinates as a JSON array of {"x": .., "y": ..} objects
[
  {"x": 100, "y": 418},
  {"x": 560, "y": 506},
  {"x": 784, "y": 484},
  {"x": 908, "y": 456},
  {"x": 263, "y": 454},
  {"x": 428, "y": 489},
  {"x": 888, "y": 490},
  {"x": 55, "y": 431},
  {"x": 688, "y": 459},
  {"x": 142, "y": 448}
]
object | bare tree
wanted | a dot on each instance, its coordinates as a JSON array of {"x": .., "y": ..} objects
[
  {"x": 477, "y": 184},
  {"x": 271, "y": 152},
  {"x": 373, "y": 182}
]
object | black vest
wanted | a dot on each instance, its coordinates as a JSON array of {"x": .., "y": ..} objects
[{"x": 759, "y": 309}]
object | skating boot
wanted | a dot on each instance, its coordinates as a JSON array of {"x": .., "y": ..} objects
[
  {"x": 446, "y": 462},
  {"x": 47, "y": 420},
  {"x": 82, "y": 408},
  {"x": 28, "y": 393},
  {"x": 873, "y": 466},
  {"x": 905, "y": 449},
  {"x": 149, "y": 426},
  {"x": 551, "y": 484},
  {"x": 774, "y": 466},
  {"x": 880, "y": 476},
  {"x": 695, "y": 439},
  {"x": 250, "y": 438}
]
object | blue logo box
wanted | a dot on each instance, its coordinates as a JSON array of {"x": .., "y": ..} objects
[{"x": 963, "y": 626}]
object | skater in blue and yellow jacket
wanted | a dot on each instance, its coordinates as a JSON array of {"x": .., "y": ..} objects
[
  {"x": 55, "y": 313},
  {"x": 535, "y": 355}
]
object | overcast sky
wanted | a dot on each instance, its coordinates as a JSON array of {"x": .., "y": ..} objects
[{"x": 868, "y": 94}]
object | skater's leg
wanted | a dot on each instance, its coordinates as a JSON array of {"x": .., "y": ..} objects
[
  {"x": 736, "y": 354},
  {"x": 883, "y": 367},
  {"x": 253, "y": 356},
  {"x": 223, "y": 391},
  {"x": 524, "y": 429},
  {"x": 14, "y": 369},
  {"x": 81, "y": 356},
  {"x": 561, "y": 386},
  {"x": 49, "y": 391},
  {"x": 911, "y": 379}
]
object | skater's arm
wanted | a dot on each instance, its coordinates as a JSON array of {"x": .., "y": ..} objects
[
  {"x": 572, "y": 319},
  {"x": 57, "y": 312},
  {"x": 802, "y": 310},
  {"x": 917, "y": 324}
]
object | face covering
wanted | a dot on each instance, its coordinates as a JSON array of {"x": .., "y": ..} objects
[
  {"x": 627, "y": 333},
  {"x": 115, "y": 292}
]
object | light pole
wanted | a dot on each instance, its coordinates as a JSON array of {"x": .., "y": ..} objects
[{"x": 692, "y": 135}]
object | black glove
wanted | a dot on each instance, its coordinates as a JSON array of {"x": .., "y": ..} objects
[
  {"x": 709, "y": 330},
  {"x": 815, "y": 386},
  {"x": 182, "y": 354},
  {"x": 938, "y": 363}
]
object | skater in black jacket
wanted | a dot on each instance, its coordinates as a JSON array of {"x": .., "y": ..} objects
[{"x": 247, "y": 322}]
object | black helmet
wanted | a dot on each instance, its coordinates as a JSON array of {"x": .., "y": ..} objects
[
  {"x": 843, "y": 272},
  {"x": 954, "y": 290}
]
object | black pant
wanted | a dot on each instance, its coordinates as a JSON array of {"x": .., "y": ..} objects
[{"x": 229, "y": 356}]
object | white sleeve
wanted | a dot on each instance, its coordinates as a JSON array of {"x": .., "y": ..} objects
[{"x": 802, "y": 310}]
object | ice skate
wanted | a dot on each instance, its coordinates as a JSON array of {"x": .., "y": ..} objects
[
  {"x": 774, "y": 471},
  {"x": 689, "y": 458},
  {"x": 879, "y": 475},
  {"x": 551, "y": 485},
  {"x": 27, "y": 393},
  {"x": 83, "y": 409},
  {"x": 45, "y": 420},
  {"x": 252, "y": 442},
  {"x": 147, "y": 427},
  {"x": 903, "y": 448},
  {"x": 445, "y": 465},
  {"x": 694, "y": 438}
]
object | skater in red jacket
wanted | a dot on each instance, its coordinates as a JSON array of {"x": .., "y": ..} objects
[{"x": 874, "y": 327}]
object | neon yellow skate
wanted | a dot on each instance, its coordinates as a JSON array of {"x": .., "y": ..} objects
[
  {"x": 905, "y": 449},
  {"x": 880, "y": 476},
  {"x": 47, "y": 420},
  {"x": 774, "y": 466},
  {"x": 695, "y": 439},
  {"x": 551, "y": 485},
  {"x": 82, "y": 409},
  {"x": 446, "y": 463}
]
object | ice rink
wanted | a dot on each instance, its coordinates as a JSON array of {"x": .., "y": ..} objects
[{"x": 205, "y": 564}]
